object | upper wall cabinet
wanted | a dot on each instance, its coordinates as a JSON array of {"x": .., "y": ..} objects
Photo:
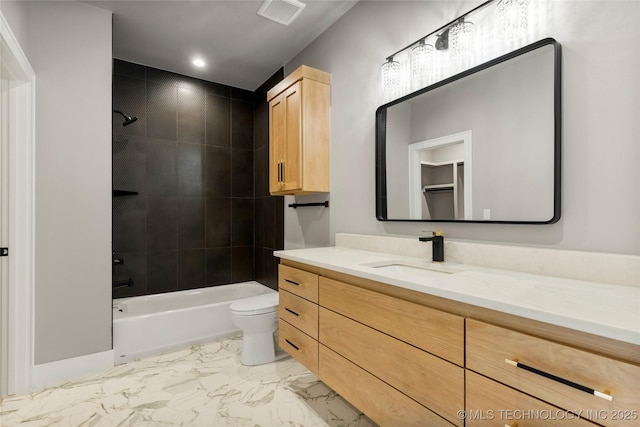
[{"x": 299, "y": 133}]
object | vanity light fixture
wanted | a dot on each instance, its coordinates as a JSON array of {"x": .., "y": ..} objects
[
  {"x": 512, "y": 18},
  {"x": 422, "y": 57},
  {"x": 454, "y": 40},
  {"x": 391, "y": 70},
  {"x": 461, "y": 42},
  {"x": 391, "y": 79},
  {"x": 442, "y": 42}
]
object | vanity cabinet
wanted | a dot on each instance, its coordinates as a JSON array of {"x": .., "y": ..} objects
[
  {"x": 299, "y": 133},
  {"x": 397, "y": 342},
  {"x": 553, "y": 372},
  {"x": 399, "y": 362},
  {"x": 298, "y": 315},
  {"x": 407, "y": 358}
]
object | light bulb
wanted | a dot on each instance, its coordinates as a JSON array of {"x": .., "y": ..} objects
[
  {"x": 461, "y": 41},
  {"x": 422, "y": 63},
  {"x": 512, "y": 18},
  {"x": 391, "y": 78}
]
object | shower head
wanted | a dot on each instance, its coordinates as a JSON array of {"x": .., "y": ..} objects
[{"x": 127, "y": 119}]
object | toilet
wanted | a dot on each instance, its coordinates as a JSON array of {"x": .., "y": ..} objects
[{"x": 257, "y": 316}]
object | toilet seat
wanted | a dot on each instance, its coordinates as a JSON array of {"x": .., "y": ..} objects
[{"x": 259, "y": 304}]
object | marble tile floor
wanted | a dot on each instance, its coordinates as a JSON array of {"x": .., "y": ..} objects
[{"x": 204, "y": 385}]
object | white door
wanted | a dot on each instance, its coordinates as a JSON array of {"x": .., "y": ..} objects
[
  {"x": 4, "y": 235},
  {"x": 17, "y": 207}
]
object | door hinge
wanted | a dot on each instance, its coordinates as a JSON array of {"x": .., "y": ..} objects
[{"x": 4, "y": 251}]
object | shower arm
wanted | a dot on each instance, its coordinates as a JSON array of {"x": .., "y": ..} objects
[{"x": 127, "y": 119}]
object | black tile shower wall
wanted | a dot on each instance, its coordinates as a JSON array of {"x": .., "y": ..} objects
[
  {"x": 269, "y": 210},
  {"x": 190, "y": 156}
]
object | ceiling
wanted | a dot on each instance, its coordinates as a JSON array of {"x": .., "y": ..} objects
[{"x": 240, "y": 48}]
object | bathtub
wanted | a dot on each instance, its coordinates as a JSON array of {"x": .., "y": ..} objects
[{"x": 153, "y": 324}]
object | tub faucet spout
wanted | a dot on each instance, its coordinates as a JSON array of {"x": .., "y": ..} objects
[
  {"x": 121, "y": 283},
  {"x": 437, "y": 242}
]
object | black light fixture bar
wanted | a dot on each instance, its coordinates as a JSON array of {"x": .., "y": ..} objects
[{"x": 444, "y": 27}]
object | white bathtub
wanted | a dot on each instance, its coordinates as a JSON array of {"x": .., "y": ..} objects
[{"x": 153, "y": 324}]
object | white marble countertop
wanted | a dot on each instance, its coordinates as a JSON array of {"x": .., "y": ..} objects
[{"x": 607, "y": 310}]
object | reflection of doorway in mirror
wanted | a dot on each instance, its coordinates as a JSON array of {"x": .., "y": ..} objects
[{"x": 440, "y": 178}]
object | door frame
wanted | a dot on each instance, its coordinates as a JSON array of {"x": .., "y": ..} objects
[
  {"x": 21, "y": 214},
  {"x": 415, "y": 174}
]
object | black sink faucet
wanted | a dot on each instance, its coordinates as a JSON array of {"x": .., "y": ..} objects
[{"x": 437, "y": 247}]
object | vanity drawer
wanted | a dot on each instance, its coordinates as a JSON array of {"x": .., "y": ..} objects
[
  {"x": 490, "y": 404},
  {"x": 431, "y": 330},
  {"x": 429, "y": 380},
  {"x": 299, "y": 282},
  {"x": 379, "y": 401},
  {"x": 301, "y": 346},
  {"x": 491, "y": 351},
  {"x": 299, "y": 312}
]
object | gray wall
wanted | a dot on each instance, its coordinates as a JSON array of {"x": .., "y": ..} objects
[
  {"x": 601, "y": 49},
  {"x": 70, "y": 51}
]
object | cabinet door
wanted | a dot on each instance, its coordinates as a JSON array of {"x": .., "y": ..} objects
[
  {"x": 378, "y": 400},
  {"x": 276, "y": 142},
  {"x": 427, "y": 379},
  {"x": 299, "y": 282},
  {"x": 285, "y": 140},
  {"x": 301, "y": 346},
  {"x": 561, "y": 375},
  {"x": 299, "y": 312},
  {"x": 434, "y": 331},
  {"x": 293, "y": 138},
  {"x": 491, "y": 404}
]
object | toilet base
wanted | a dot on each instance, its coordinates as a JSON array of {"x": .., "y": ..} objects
[{"x": 258, "y": 349}]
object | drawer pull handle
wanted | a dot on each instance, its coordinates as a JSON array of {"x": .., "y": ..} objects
[
  {"x": 292, "y": 282},
  {"x": 559, "y": 379},
  {"x": 293, "y": 345},
  {"x": 292, "y": 312}
]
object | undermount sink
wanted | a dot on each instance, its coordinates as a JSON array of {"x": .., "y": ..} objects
[{"x": 402, "y": 268}]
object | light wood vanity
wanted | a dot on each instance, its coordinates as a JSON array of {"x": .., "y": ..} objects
[{"x": 407, "y": 358}]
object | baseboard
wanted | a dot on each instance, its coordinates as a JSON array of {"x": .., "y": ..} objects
[{"x": 55, "y": 373}]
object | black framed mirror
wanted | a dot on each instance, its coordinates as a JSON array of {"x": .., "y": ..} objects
[{"x": 481, "y": 146}]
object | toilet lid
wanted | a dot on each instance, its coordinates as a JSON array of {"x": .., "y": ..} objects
[{"x": 259, "y": 304}]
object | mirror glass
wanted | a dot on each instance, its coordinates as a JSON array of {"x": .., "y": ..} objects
[{"x": 481, "y": 146}]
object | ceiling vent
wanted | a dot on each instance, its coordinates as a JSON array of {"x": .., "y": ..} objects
[{"x": 281, "y": 11}]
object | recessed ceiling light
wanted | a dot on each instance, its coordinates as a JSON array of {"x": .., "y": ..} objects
[{"x": 199, "y": 62}]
